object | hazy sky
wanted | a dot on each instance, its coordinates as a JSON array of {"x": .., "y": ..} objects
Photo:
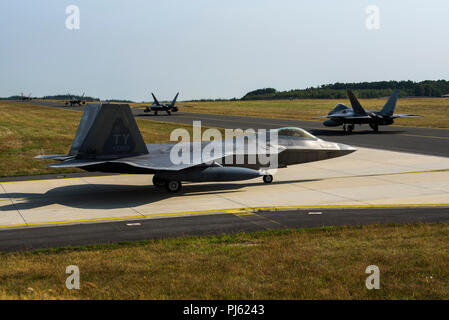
[{"x": 215, "y": 49}]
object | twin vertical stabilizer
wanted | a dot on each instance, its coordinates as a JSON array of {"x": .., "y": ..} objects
[{"x": 107, "y": 131}]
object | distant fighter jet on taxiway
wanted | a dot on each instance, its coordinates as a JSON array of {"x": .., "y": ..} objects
[
  {"x": 75, "y": 100},
  {"x": 348, "y": 118},
  {"x": 161, "y": 107},
  {"x": 108, "y": 140},
  {"x": 24, "y": 98}
]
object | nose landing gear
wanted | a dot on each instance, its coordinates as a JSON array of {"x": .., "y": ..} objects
[
  {"x": 268, "y": 178},
  {"x": 374, "y": 126},
  {"x": 349, "y": 128},
  {"x": 170, "y": 186},
  {"x": 173, "y": 186}
]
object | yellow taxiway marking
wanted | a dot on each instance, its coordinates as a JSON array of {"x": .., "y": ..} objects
[
  {"x": 235, "y": 211},
  {"x": 423, "y": 136}
]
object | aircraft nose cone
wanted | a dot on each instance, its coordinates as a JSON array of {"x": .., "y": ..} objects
[{"x": 346, "y": 149}]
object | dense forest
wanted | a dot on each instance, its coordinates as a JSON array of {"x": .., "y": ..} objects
[{"x": 428, "y": 88}]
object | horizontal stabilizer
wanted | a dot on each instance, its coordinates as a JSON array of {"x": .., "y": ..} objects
[
  {"x": 75, "y": 163},
  {"x": 58, "y": 157},
  {"x": 360, "y": 117},
  {"x": 398, "y": 115}
]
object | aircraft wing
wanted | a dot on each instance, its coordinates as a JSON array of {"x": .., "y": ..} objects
[
  {"x": 398, "y": 115},
  {"x": 159, "y": 162},
  {"x": 345, "y": 116},
  {"x": 159, "y": 158},
  {"x": 358, "y": 117}
]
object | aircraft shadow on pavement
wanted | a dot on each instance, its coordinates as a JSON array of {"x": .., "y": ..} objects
[
  {"x": 329, "y": 133},
  {"x": 153, "y": 115},
  {"x": 106, "y": 196}
]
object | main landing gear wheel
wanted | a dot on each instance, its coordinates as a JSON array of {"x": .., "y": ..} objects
[
  {"x": 158, "y": 182},
  {"x": 374, "y": 126},
  {"x": 155, "y": 113},
  {"x": 169, "y": 113},
  {"x": 350, "y": 128},
  {"x": 268, "y": 178},
  {"x": 173, "y": 186}
]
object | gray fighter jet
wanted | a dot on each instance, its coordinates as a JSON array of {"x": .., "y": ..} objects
[
  {"x": 344, "y": 116},
  {"x": 75, "y": 100},
  {"x": 108, "y": 140},
  {"x": 24, "y": 98},
  {"x": 161, "y": 107}
]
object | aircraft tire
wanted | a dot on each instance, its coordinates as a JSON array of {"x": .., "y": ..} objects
[
  {"x": 155, "y": 113},
  {"x": 350, "y": 128},
  {"x": 374, "y": 126},
  {"x": 173, "y": 186},
  {"x": 268, "y": 178},
  {"x": 158, "y": 182}
]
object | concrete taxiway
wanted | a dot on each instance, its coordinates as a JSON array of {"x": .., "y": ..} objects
[{"x": 364, "y": 179}]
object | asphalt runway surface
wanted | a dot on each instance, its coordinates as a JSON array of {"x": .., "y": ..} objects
[
  {"x": 395, "y": 138},
  {"x": 134, "y": 230}
]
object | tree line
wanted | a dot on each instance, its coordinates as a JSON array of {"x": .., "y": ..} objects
[{"x": 428, "y": 88}]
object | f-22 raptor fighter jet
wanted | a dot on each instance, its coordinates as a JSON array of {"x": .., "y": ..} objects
[
  {"x": 25, "y": 98},
  {"x": 348, "y": 118},
  {"x": 108, "y": 140},
  {"x": 161, "y": 107},
  {"x": 74, "y": 100}
]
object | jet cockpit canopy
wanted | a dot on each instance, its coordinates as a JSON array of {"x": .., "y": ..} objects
[
  {"x": 340, "y": 108},
  {"x": 295, "y": 132}
]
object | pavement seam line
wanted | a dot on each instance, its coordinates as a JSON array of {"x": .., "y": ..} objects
[
  {"x": 14, "y": 205},
  {"x": 231, "y": 211}
]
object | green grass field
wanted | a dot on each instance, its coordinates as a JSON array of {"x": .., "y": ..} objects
[
  {"x": 324, "y": 263},
  {"x": 434, "y": 110}
]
